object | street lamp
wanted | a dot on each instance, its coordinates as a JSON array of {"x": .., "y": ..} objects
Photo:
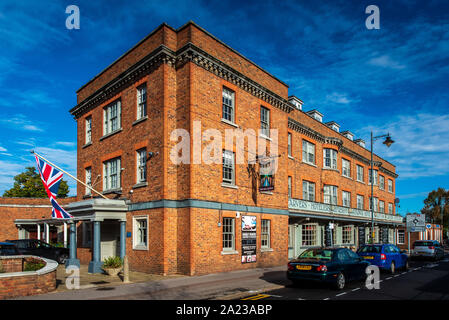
[{"x": 388, "y": 142}]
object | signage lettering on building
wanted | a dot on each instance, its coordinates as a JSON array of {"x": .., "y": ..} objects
[{"x": 249, "y": 239}]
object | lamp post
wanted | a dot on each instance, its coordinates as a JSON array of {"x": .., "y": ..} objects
[{"x": 388, "y": 142}]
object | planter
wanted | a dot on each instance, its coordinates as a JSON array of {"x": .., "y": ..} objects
[{"x": 113, "y": 271}]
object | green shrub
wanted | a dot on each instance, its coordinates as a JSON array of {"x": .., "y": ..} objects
[
  {"x": 33, "y": 265},
  {"x": 1, "y": 269},
  {"x": 112, "y": 262}
]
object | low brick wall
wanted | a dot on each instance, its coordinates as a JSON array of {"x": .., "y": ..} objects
[{"x": 14, "y": 282}]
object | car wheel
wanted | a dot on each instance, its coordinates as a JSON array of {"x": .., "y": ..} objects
[
  {"x": 63, "y": 258},
  {"x": 392, "y": 267},
  {"x": 341, "y": 282}
]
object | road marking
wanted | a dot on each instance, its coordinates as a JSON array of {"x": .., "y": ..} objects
[
  {"x": 432, "y": 265},
  {"x": 340, "y": 294},
  {"x": 355, "y": 289},
  {"x": 257, "y": 297},
  {"x": 301, "y": 299},
  {"x": 378, "y": 281},
  {"x": 388, "y": 278},
  {"x": 276, "y": 296},
  {"x": 326, "y": 299},
  {"x": 396, "y": 276},
  {"x": 403, "y": 272}
]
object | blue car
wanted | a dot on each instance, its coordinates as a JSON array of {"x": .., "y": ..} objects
[{"x": 386, "y": 256}]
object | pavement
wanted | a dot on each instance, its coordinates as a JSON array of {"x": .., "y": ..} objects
[{"x": 220, "y": 286}]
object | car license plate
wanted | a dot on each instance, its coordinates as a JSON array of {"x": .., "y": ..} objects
[
  {"x": 303, "y": 267},
  {"x": 369, "y": 257}
]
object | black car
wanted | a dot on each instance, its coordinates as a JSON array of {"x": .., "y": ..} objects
[
  {"x": 330, "y": 265},
  {"x": 41, "y": 249},
  {"x": 8, "y": 249}
]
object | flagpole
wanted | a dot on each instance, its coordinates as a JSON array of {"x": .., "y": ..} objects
[{"x": 38, "y": 155}]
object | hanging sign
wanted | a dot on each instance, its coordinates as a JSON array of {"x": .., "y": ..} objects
[
  {"x": 267, "y": 169},
  {"x": 249, "y": 239}
]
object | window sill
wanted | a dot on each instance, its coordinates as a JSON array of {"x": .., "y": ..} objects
[
  {"x": 140, "y": 120},
  {"x": 111, "y": 134},
  {"x": 330, "y": 169},
  {"x": 265, "y": 137},
  {"x": 225, "y": 252},
  {"x": 87, "y": 144},
  {"x": 140, "y": 248},
  {"x": 116, "y": 191},
  {"x": 229, "y": 122},
  {"x": 309, "y": 164},
  {"x": 290, "y": 157},
  {"x": 266, "y": 249},
  {"x": 347, "y": 177},
  {"x": 140, "y": 185},
  {"x": 360, "y": 181},
  {"x": 232, "y": 186},
  {"x": 266, "y": 192}
]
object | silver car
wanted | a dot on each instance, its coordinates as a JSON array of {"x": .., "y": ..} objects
[{"x": 427, "y": 249}]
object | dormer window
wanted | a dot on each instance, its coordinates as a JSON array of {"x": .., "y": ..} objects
[
  {"x": 316, "y": 115},
  {"x": 348, "y": 135},
  {"x": 334, "y": 126},
  {"x": 296, "y": 102},
  {"x": 360, "y": 142}
]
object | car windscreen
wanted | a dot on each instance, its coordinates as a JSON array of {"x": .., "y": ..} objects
[
  {"x": 6, "y": 250},
  {"x": 370, "y": 249},
  {"x": 423, "y": 244},
  {"x": 317, "y": 254}
]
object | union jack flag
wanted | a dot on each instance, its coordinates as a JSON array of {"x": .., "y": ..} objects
[{"x": 51, "y": 178}]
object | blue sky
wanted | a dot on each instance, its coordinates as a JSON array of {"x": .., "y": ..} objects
[{"x": 393, "y": 80}]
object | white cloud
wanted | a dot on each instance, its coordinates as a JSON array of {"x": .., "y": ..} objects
[
  {"x": 2, "y": 149},
  {"x": 421, "y": 147},
  {"x": 386, "y": 62},
  {"x": 65, "y": 143},
  {"x": 21, "y": 122}
]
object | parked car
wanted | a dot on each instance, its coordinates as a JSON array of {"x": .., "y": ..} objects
[
  {"x": 8, "y": 249},
  {"x": 385, "y": 256},
  {"x": 332, "y": 265},
  {"x": 41, "y": 249},
  {"x": 427, "y": 249}
]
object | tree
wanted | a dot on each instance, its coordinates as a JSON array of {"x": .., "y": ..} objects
[
  {"x": 436, "y": 201},
  {"x": 28, "y": 184}
]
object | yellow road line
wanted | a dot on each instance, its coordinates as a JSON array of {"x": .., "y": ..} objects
[{"x": 257, "y": 297}]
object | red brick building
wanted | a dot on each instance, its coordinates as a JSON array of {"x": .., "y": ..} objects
[{"x": 187, "y": 218}]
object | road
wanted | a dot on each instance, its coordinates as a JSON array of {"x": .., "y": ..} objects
[{"x": 424, "y": 280}]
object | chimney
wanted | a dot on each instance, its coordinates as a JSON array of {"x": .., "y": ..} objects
[
  {"x": 296, "y": 102},
  {"x": 316, "y": 115}
]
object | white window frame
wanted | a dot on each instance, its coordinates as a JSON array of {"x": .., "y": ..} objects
[
  {"x": 228, "y": 164},
  {"x": 345, "y": 231},
  {"x": 391, "y": 235},
  {"x": 231, "y": 233},
  {"x": 331, "y": 193},
  {"x": 346, "y": 199},
  {"x": 381, "y": 206},
  {"x": 88, "y": 180},
  {"x": 362, "y": 207},
  {"x": 110, "y": 113},
  {"x": 107, "y": 174},
  {"x": 390, "y": 208},
  {"x": 141, "y": 167},
  {"x": 309, "y": 239},
  {"x": 289, "y": 144},
  {"x": 381, "y": 182},
  {"x": 289, "y": 186},
  {"x": 390, "y": 185},
  {"x": 346, "y": 168},
  {"x": 360, "y": 173},
  {"x": 401, "y": 234},
  {"x": 308, "y": 190},
  {"x": 142, "y": 101},
  {"x": 137, "y": 244},
  {"x": 228, "y": 104},
  {"x": 265, "y": 234},
  {"x": 330, "y": 155},
  {"x": 88, "y": 130},
  {"x": 376, "y": 176},
  {"x": 376, "y": 204},
  {"x": 308, "y": 150},
  {"x": 265, "y": 121}
]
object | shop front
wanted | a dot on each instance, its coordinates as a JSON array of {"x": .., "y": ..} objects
[{"x": 314, "y": 224}]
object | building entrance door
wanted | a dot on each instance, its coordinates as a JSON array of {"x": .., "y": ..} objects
[{"x": 110, "y": 239}]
